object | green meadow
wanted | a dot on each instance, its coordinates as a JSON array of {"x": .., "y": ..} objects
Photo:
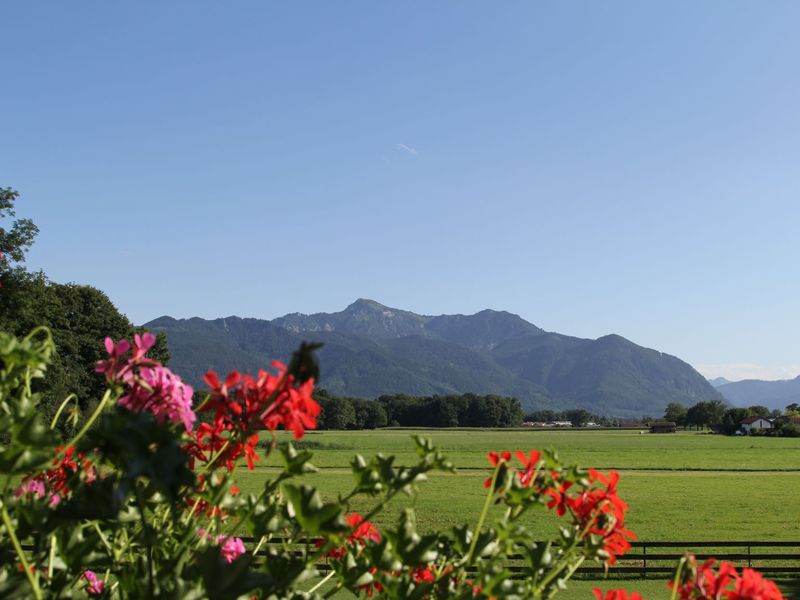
[{"x": 685, "y": 486}]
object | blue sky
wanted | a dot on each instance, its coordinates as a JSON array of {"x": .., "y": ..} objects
[{"x": 594, "y": 167}]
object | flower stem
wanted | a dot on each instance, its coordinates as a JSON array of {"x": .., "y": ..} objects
[
  {"x": 484, "y": 512},
  {"x": 52, "y": 556},
  {"x": 321, "y": 582},
  {"x": 554, "y": 571},
  {"x": 54, "y": 422},
  {"x": 677, "y": 578},
  {"x": 215, "y": 457},
  {"x": 20, "y": 553},
  {"x": 260, "y": 543},
  {"x": 574, "y": 567},
  {"x": 92, "y": 419}
]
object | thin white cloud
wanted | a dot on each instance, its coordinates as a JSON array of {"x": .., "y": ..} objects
[
  {"x": 409, "y": 149},
  {"x": 739, "y": 371}
]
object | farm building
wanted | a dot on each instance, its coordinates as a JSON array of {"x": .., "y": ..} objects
[
  {"x": 751, "y": 424},
  {"x": 663, "y": 427}
]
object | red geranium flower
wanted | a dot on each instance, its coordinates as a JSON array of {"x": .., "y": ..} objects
[
  {"x": 242, "y": 405},
  {"x": 494, "y": 460},
  {"x": 559, "y": 498},
  {"x": 702, "y": 582},
  {"x": 752, "y": 586},
  {"x": 529, "y": 463},
  {"x": 362, "y": 532}
]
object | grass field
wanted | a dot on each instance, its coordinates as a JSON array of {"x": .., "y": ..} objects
[{"x": 685, "y": 486}]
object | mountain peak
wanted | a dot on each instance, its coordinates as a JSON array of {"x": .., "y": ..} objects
[
  {"x": 366, "y": 304},
  {"x": 372, "y": 349}
]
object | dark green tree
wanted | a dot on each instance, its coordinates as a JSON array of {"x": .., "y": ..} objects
[
  {"x": 676, "y": 412},
  {"x": 706, "y": 414},
  {"x": 732, "y": 419},
  {"x": 695, "y": 416},
  {"x": 578, "y": 417},
  {"x": 759, "y": 411},
  {"x": 374, "y": 415},
  {"x": 15, "y": 241},
  {"x": 336, "y": 413}
]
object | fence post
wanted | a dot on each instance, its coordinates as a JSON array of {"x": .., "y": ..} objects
[
  {"x": 749, "y": 563},
  {"x": 644, "y": 561}
]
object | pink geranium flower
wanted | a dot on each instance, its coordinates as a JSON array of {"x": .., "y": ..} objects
[
  {"x": 149, "y": 386},
  {"x": 230, "y": 548},
  {"x": 96, "y": 586},
  {"x": 33, "y": 487}
]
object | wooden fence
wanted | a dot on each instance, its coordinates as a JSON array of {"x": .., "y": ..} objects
[
  {"x": 647, "y": 558},
  {"x": 661, "y": 558}
]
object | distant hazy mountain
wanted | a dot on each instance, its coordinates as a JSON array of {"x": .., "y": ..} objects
[
  {"x": 371, "y": 349},
  {"x": 718, "y": 381},
  {"x": 773, "y": 394},
  {"x": 609, "y": 374}
]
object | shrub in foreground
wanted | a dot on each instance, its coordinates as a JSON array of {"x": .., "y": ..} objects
[{"x": 142, "y": 501}]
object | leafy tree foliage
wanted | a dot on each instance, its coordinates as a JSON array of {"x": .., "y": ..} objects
[
  {"x": 466, "y": 410},
  {"x": 370, "y": 414},
  {"x": 676, "y": 412},
  {"x": 15, "y": 241},
  {"x": 336, "y": 413},
  {"x": 79, "y": 317},
  {"x": 732, "y": 419},
  {"x": 578, "y": 417},
  {"x": 706, "y": 414}
]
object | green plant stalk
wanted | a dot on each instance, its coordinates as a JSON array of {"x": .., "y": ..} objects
[
  {"x": 188, "y": 517},
  {"x": 146, "y": 531},
  {"x": 160, "y": 515},
  {"x": 103, "y": 539},
  {"x": 64, "y": 403},
  {"x": 92, "y": 419},
  {"x": 273, "y": 486},
  {"x": 214, "y": 458},
  {"x": 388, "y": 498},
  {"x": 575, "y": 567},
  {"x": 476, "y": 532},
  {"x": 375, "y": 510},
  {"x": 322, "y": 582},
  {"x": 567, "y": 555},
  {"x": 20, "y": 553},
  {"x": 333, "y": 590},
  {"x": 260, "y": 543},
  {"x": 556, "y": 570},
  {"x": 52, "y": 556},
  {"x": 677, "y": 578}
]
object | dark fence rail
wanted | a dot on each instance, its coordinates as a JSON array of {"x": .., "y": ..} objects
[
  {"x": 653, "y": 557},
  {"x": 648, "y": 558}
]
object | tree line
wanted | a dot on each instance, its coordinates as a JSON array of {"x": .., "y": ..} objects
[
  {"x": 402, "y": 410},
  {"x": 715, "y": 415}
]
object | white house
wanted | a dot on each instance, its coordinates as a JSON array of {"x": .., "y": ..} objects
[{"x": 751, "y": 424}]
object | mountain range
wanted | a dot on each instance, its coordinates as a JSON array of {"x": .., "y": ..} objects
[
  {"x": 371, "y": 349},
  {"x": 751, "y": 392}
]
